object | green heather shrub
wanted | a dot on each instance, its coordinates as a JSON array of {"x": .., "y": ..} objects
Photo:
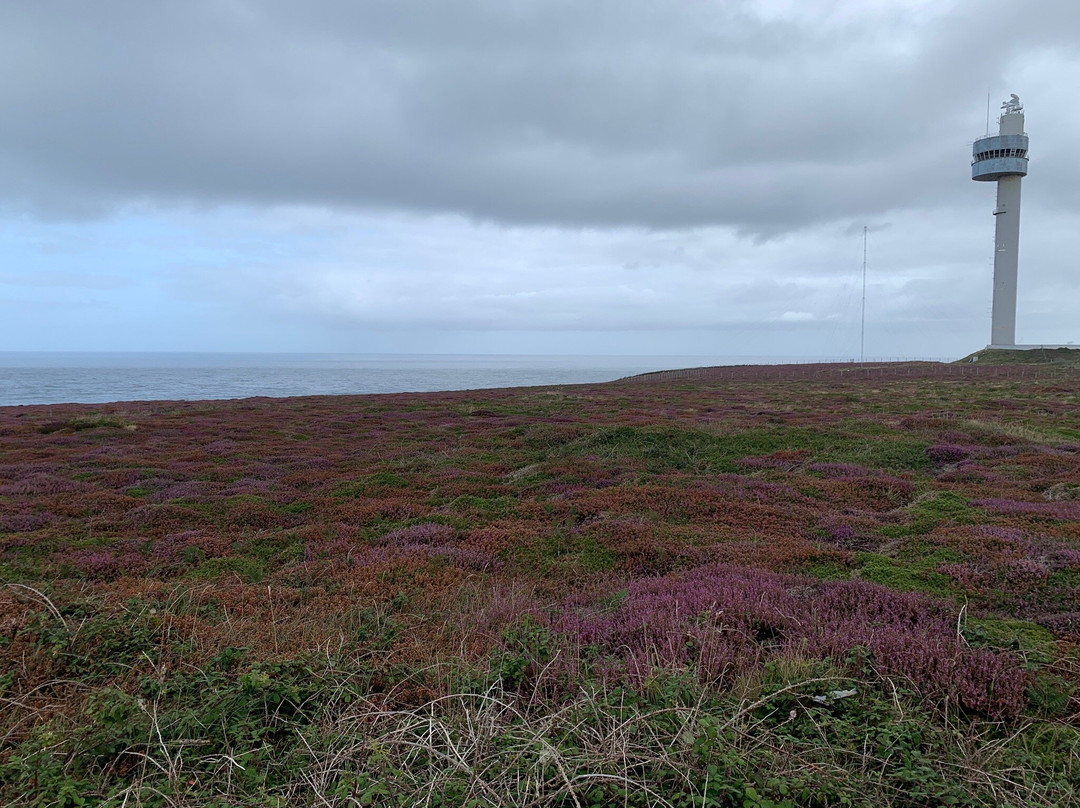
[
  {"x": 931, "y": 510},
  {"x": 915, "y": 571}
]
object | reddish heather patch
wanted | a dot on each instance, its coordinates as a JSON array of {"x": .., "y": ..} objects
[
  {"x": 832, "y": 470},
  {"x": 123, "y": 557},
  {"x": 42, "y": 485},
  {"x": 786, "y": 460},
  {"x": 1045, "y": 510},
  {"x": 1067, "y": 623},
  {"x": 188, "y": 547},
  {"x": 848, "y": 534},
  {"x": 724, "y": 620},
  {"x": 423, "y": 534},
  {"x": 25, "y": 521},
  {"x": 948, "y": 453},
  {"x": 876, "y": 494}
]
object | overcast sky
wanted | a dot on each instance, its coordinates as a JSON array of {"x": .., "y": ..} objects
[{"x": 528, "y": 176}]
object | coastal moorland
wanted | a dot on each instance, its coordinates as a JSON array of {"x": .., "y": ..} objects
[{"x": 789, "y": 586}]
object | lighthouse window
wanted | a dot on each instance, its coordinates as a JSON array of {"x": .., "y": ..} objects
[{"x": 998, "y": 154}]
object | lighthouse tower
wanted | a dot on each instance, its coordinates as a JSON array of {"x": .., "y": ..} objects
[{"x": 1002, "y": 158}]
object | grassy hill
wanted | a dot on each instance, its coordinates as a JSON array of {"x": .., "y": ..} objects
[
  {"x": 770, "y": 589},
  {"x": 1066, "y": 357}
]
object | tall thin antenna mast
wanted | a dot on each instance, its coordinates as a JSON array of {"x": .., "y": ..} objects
[
  {"x": 988, "y": 112},
  {"x": 862, "y": 328}
]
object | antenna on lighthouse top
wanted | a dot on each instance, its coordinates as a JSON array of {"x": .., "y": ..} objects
[{"x": 988, "y": 112}]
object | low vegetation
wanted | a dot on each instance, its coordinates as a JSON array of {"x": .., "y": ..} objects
[
  {"x": 731, "y": 589},
  {"x": 1065, "y": 357}
]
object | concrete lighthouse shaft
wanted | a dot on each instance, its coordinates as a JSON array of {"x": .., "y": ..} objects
[
  {"x": 1006, "y": 258},
  {"x": 1003, "y": 158}
]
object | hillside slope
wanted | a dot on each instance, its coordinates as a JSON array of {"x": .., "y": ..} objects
[
  {"x": 1067, "y": 357},
  {"x": 787, "y": 587}
]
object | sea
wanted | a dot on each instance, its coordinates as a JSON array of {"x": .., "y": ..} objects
[{"x": 95, "y": 378}]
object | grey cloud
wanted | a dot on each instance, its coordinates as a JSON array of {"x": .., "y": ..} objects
[
  {"x": 444, "y": 273},
  {"x": 611, "y": 113}
]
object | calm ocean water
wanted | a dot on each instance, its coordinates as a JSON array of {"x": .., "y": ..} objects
[{"x": 94, "y": 378}]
